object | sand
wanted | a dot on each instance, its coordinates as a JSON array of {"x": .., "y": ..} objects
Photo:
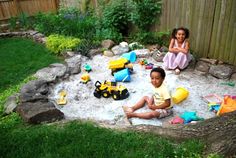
[{"x": 81, "y": 103}]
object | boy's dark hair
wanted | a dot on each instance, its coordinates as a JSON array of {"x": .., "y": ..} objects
[
  {"x": 159, "y": 70},
  {"x": 175, "y": 30}
]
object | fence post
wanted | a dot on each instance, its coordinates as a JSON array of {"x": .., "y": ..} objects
[{"x": 18, "y": 8}]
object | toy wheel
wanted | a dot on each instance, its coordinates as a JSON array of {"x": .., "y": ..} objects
[
  {"x": 105, "y": 94},
  {"x": 124, "y": 94},
  {"x": 116, "y": 95},
  {"x": 97, "y": 94}
]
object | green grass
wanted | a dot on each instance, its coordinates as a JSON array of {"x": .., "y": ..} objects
[
  {"x": 20, "y": 58},
  {"x": 76, "y": 139}
]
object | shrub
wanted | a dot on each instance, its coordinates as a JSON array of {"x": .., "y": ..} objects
[
  {"x": 145, "y": 13},
  {"x": 59, "y": 43},
  {"x": 86, "y": 45},
  {"x": 116, "y": 16}
]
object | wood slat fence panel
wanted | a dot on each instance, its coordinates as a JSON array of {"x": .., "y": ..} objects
[
  {"x": 13, "y": 8},
  {"x": 212, "y": 25}
]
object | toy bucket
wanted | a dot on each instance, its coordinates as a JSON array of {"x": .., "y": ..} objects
[
  {"x": 179, "y": 95},
  {"x": 122, "y": 75},
  {"x": 131, "y": 56}
]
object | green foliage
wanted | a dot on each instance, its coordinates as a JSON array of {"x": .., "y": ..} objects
[
  {"x": 12, "y": 23},
  {"x": 59, "y": 43},
  {"x": 109, "y": 33},
  {"x": 24, "y": 21},
  {"x": 135, "y": 46},
  {"x": 116, "y": 16},
  {"x": 164, "y": 38},
  {"x": 68, "y": 22},
  {"x": 145, "y": 12},
  {"x": 146, "y": 37},
  {"x": 86, "y": 45}
]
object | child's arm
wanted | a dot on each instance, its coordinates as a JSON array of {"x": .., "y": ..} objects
[
  {"x": 171, "y": 46},
  {"x": 185, "y": 49},
  {"x": 164, "y": 105}
]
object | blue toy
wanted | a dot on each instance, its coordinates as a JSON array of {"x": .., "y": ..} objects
[{"x": 190, "y": 116}]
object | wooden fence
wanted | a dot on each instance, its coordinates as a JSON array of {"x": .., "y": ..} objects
[
  {"x": 13, "y": 8},
  {"x": 212, "y": 25}
]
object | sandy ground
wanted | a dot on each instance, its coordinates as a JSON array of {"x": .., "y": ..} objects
[{"x": 83, "y": 105}]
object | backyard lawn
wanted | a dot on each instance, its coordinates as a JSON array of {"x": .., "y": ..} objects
[{"x": 21, "y": 58}]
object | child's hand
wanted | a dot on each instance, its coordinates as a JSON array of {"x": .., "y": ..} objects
[{"x": 152, "y": 107}]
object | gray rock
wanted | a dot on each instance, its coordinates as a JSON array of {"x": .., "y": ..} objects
[
  {"x": 38, "y": 112},
  {"x": 233, "y": 77},
  {"x": 74, "y": 64},
  {"x": 221, "y": 71},
  {"x": 34, "y": 90},
  {"x": 202, "y": 66},
  {"x": 210, "y": 61},
  {"x": 108, "y": 53},
  {"x": 94, "y": 52},
  {"x": 158, "y": 56},
  {"x": 143, "y": 53},
  {"x": 119, "y": 49},
  {"x": 107, "y": 44},
  {"x": 11, "y": 104},
  {"x": 52, "y": 72}
]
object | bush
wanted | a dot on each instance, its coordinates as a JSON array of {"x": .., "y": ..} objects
[
  {"x": 116, "y": 16},
  {"x": 86, "y": 45},
  {"x": 68, "y": 22},
  {"x": 145, "y": 12},
  {"x": 59, "y": 43}
]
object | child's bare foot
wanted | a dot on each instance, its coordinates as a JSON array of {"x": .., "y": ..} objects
[
  {"x": 177, "y": 71},
  {"x": 127, "y": 109}
]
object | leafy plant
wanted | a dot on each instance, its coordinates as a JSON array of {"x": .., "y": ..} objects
[
  {"x": 12, "y": 23},
  {"x": 109, "y": 33},
  {"x": 116, "y": 16},
  {"x": 24, "y": 21},
  {"x": 145, "y": 12},
  {"x": 86, "y": 45},
  {"x": 59, "y": 43}
]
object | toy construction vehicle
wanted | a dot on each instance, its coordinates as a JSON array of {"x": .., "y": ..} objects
[
  {"x": 85, "y": 78},
  {"x": 119, "y": 64},
  {"x": 108, "y": 89},
  {"x": 62, "y": 98}
]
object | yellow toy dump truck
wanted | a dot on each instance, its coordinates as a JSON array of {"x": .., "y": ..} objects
[
  {"x": 85, "y": 78},
  {"x": 108, "y": 89},
  {"x": 119, "y": 64}
]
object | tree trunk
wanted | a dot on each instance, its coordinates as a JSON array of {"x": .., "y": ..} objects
[{"x": 219, "y": 133}]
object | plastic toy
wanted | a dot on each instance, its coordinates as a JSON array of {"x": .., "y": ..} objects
[
  {"x": 149, "y": 66},
  {"x": 108, "y": 89},
  {"x": 120, "y": 64},
  {"x": 180, "y": 94},
  {"x": 122, "y": 76},
  {"x": 228, "y": 105},
  {"x": 232, "y": 84},
  {"x": 87, "y": 68},
  {"x": 131, "y": 56},
  {"x": 212, "y": 98},
  {"x": 85, "y": 78},
  {"x": 62, "y": 98},
  {"x": 190, "y": 116},
  {"x": 143, "y": 62},
  {"x": 177, "y": 120}
]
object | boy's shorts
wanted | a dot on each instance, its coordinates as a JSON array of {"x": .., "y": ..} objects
[{"x": 164, "y": 112}]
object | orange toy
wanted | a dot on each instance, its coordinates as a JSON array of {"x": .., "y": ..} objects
[{"x": 228, "y": 105}]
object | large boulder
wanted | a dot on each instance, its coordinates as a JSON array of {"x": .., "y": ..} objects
[
  {"x": 202, "y": 66},
  {"x": 123, "y": 47},
  {"x": 221, "y": 71},
  {"x": 39, "y": 111},
  {"x": 74, "y": 64},
  {"x": 51, "y": 73},
  {"x": 34, "y": 90}
]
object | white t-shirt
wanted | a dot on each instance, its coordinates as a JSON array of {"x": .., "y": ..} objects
[{"x": 161, "y": 94}]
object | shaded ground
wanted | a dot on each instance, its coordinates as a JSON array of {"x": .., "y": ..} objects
[{"x": 83, "y": 105}]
